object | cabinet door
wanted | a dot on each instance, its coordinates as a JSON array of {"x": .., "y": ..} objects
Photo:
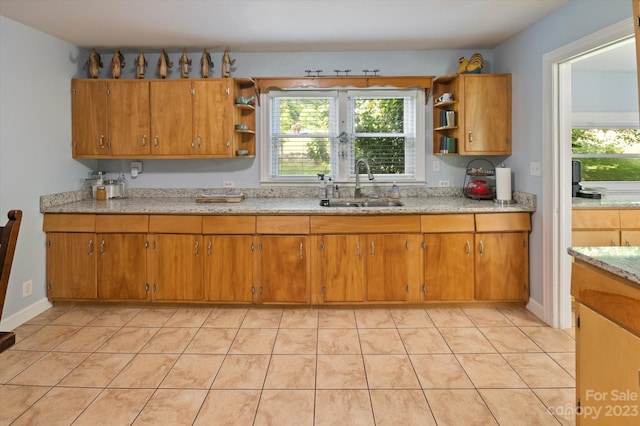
[
  {"x": 71, "y": 265},
  {"x": 89, "y": 118},
  {"x": 449, "y": 266},
  {"x": 284, "y": 269},
  {"x": 128, "y": 117},
  {"x": 502, "y": 266},
  {"x": 177, "y": 267},
  {"x": 387, "y": 269},
  {"x": 228, "y": 268},
  {"x": 122, "y": 266},
  {"x": 343, "y": 267},
  {"x": 630, "y": 238},
  {"x": 607, "y": 369},
  {"x": 171, "y": 117},
  {"x": 595, "y": 238},
  {"x": 211, "y": 116},
  {"x": 487, "y": 114}
]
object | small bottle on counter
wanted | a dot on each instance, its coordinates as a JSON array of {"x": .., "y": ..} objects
[
  {"x": 395, "y": 192},
  {"x": 122, "y": 183},
  {"x": 322, "y": 189},
  {"x": 329, "y": 188},
  {"x": 101, "y": 193}
]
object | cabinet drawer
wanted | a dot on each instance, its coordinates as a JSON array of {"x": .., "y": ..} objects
[
  {"x": 498, "y": 222},
  {"x": 122, "y": 223},
  {"x": 630, "y": 219},
  {"x": 440, "y": 223},
  {"x": 595, "y": 219},
  {"x": 282, "y": 224},
  {"x": 598, "y": 238},
  {"x": 69, "y": 223},
  {"x": 175, "y": 224},
  {"x": 229, "y": 225},
  {"x": 363, "y": 224}
]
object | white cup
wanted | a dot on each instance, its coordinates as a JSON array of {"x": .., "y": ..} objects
[{"x": 446, "y": 97}]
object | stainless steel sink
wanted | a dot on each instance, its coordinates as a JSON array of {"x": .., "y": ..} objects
[{"x": 361, "y": 203}]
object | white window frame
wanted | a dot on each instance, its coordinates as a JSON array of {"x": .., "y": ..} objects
[
  {"x": 610, "y": 120},
  {"x": 343, "y": 170}
]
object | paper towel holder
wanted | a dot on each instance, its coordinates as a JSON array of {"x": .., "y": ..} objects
[{"x": 503, "y": 202}]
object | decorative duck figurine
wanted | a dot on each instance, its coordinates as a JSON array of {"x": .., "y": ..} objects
[
  {"x": 163, "y": 64},
  {"x": 95, "y": 63},
  {"x": 227, "y": 63},
  {"x": 141, "y": 65},
  {"x": 471, "y": 66},
  {"x": 206, "y": 64},
  {"x": 117, "y": 63},
  {"x": 185, "y": 63}
]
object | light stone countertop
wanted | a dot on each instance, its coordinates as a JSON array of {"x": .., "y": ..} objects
[
  {"x": 628, "y": 201},
  {"x": 621, "y": 261},
  {"x": 74, "y": 203}
]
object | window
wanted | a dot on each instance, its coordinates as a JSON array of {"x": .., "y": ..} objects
[
  {"x": 607, "y": 154},
  {"x": 313, "y": 132}
]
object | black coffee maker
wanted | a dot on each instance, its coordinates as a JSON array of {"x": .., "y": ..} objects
[{"x": 576, "y": 188}]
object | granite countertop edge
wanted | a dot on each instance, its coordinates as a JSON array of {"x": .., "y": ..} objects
[
  {"x": 184, "y": 202},
  {"x": 621, "y": 261}
]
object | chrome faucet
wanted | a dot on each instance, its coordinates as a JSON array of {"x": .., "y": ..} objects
[{"x": 359, "y": 161}]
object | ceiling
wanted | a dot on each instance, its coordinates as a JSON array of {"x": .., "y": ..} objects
[{"x": 281, "y": 25}]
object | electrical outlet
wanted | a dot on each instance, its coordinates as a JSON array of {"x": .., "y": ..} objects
[
  {"x": 27, "y": 288},
  {"x": 535, "y": 169},
  {"x": 443, "y": 183},
  {"x": 436, "y": 165},
  {"x": 228, "y": 184}
]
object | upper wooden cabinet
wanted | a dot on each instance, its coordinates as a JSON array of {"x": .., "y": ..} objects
[
  {"x": 161, "y": 118},
  {"x": 481, "y": 110}
]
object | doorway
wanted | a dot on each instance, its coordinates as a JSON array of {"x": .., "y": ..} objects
[{"x": 556, "y": 186}]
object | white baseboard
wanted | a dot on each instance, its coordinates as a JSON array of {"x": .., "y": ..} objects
[
  {"x": 537, "y": 309},
  {"x": 24, "y": 315}
]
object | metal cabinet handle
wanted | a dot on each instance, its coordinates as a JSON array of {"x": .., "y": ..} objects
[
  {"x": 144, "y": 140},
  {"x": 101, "y": 141},
  {"x": 470, "y": 137},
  {"x": 613, "y": 243},
  {"x": 627, "y": 243},
  {"x": 481, "y": 248},
  {"x": 468, "y": 248},
  {"x": 195, "y": 248},
  {"x": 301, "y": 251},
  {"x": 373, "y": 248},
  {"x": 199, "y": 140},
  {"x": 102, "y": 243},
  {"x": 90, "y": 247},
  {"x": 228, "y": 144},
  {"x": 358, "y": 249},
  {"x": 155, "y": 141},
  {"x": 209, "y": 248}
]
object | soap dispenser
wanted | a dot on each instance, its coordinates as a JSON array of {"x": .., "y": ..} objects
[
  {"x": 322, "y": 189},
  {"x": 395, "y": 192}
]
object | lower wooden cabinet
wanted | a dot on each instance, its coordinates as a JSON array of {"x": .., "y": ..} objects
[
  {"x": 176, "y": 264},
  {"x": 449, "y": 266},
  {"x": 607, "y": 370},
  {"x": 71, "y": 265},
  {"x": 501, "y": 266},
  {"x": 342, "y": 272},
  {"x": 288, "y": 259},
  {"x": 387, "y": 268},
  {"x": 605, "y": 227},
  {"x": 122, "y": 266},
  {"x": 284, "y": 269},
  {"x": 228, "y": 268}
]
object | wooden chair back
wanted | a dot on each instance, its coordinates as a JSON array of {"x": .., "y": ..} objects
[{"x": 8, "y": 240}]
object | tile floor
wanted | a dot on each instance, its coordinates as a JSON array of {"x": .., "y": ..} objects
[{"x": 86, "y": 365}]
